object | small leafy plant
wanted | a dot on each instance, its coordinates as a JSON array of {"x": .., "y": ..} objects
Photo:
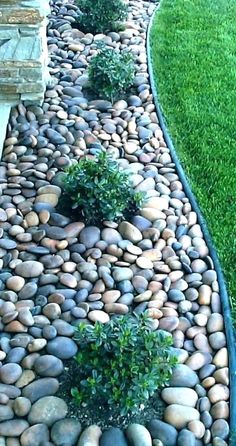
[
  {"x": 111, "y": 73},
  {"x": 99, "y": 190},
  {"x": 123, "y": 362},
  {"x": 100, "y": 16}
]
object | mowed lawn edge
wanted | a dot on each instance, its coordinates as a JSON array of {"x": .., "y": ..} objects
[{"x": 193, "y": 47}]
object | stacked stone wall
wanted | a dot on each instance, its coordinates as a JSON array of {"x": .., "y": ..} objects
[{"x": 23, "y": 53}]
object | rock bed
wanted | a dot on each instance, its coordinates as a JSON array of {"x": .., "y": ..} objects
[{"x": 56, "y": 272}]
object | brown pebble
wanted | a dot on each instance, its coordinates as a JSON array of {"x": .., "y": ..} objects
[
  {"x": 111, "y": 296},
  {"x": 116, "y": 308},
  {"x": 217, "y": 393}
]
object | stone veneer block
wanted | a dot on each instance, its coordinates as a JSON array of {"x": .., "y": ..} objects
[{"x": 23, "y": 50}]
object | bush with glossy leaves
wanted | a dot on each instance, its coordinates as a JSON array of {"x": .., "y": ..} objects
[
  {"x": 101, "y": 16},
  {"x": 123, "y": 362},
  {"x": 99, "y": 190}
]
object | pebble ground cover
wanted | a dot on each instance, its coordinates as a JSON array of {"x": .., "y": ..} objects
[
  {"x": 57, "y": 272},
  {"x": 196, "y": 78}
]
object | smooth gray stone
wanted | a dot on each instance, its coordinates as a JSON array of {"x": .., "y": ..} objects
[
  {"x": 113, "y": 436},
  {"x": 13, "y": 428},
  {"x": 62, "y": 347},
  {"x": 48, "y": 365},
  {"x": 35, "y": 435},
  {"x": 6, "y": 413},
  {"x": 183, "y": 376},
  {"x": 66, "y": 432},
  {"x": 40, "y": 388},
  {"x": 185, "y": 438},
  {"x": 163, "y": 431},
  {"x": 138, "y": 435},
  {"x": 48, "y": 410}
]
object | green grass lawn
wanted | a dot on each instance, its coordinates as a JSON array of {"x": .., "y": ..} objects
[{"x": 194, "y": 57}]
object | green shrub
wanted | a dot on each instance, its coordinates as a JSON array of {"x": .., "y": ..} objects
[
  {"x": 111, "y": 73},
  {"x": 122, "y": 362},
  {"x": 100, "y": 16},
  {"x": 99, "y": 190}
]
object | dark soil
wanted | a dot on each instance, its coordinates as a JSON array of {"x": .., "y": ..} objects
[{"x": 99, "y": 413}]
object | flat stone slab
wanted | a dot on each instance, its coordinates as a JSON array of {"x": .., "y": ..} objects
[{"x": 19, "y": 49}]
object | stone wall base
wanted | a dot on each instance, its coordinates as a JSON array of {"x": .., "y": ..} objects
[{"x": 23, "y": 50}]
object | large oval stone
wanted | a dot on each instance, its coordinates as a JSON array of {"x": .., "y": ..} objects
[
  {"x": 35, "y": 435},
  {"x": 113, "y": 436},
  {"x": 163, "y": 431},
  {"x": 179, "y": 416},
  {"x": 13, "y": 428},
  {"x": 11, "y": 391},
  {"x": 29, "y": 269},
  {"x": 10, "y": 373},
  {"x": 66, "y": 432},
  {"x": 183, "y": 376},
  {"x": 90, "y": 436},
  {"x": 138, "y": 435},
  {"x": 62, "y": 347},
  {"x": 48, "y": 410},
  {"x": 48, "y": 365},
  {"x": 186, "y": 437},
  {"x": 130, "y": 232},
  {"x": 120, "y": 274},
  {"x": 6, "y": 412},
  {"x": 173, "y": 395},
  {"x": 89, "y": 236},
  {"x": 40, "y": 388}
]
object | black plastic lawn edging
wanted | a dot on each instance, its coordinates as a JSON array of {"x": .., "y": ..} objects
[{"x": 229, "y": 329}]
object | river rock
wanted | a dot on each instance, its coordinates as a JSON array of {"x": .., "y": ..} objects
[
  {"x": 29, "y": 269},
  {"x": 21, "y": 406},
  {"x": 173, "y": 395},
  {"x": 217, "y": 393},
  {"x": 55, "y": 137},
  {"x": 13, "y": 428},
  {"x": 35, "y": 435},
  {"x": 183, "y": 376},
  {"x": 89, "y": 236},
  {"x": 179, "y": 416},
  {"x": 163, "y": 431},
  {"x": 186, "y": 438},
  {"x": 47, "y": 410},
  {"x": 10, "y": 373},
  {"x": 215, "y": 323},
  {"x": 6, "y": 412},
  {"x": 66, "y": 432},
  {"x": 48, "y": 365},
  {"x": 217, "y": 441},
  {"x": 120, "y": 274},
  {"x": 220, "y": 410},
  {"x": 90, "y": 436},
  {"x": 62, "y": 347},
  {"x": 138, "y": 435},
  {"x": 111, "y": 236},
  {"x": 221, "y": 358},
  {"x": 40, "y": 388},
  {"x": 113, "y": 436},
  {"x": 220, "y": 428},
  {"x": 7, "y": 244},
  {"x": 98, "y": 316},
  {"x": 130, "y": 232},
  {"x": 9, "y": 390},
  {"x": 56, "y": 233},
  {"x": 198, "y": 428},
  {"x": 198, "y": 359}
]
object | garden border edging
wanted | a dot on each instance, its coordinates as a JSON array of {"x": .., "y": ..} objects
[{"x": 229, "y": 329}]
